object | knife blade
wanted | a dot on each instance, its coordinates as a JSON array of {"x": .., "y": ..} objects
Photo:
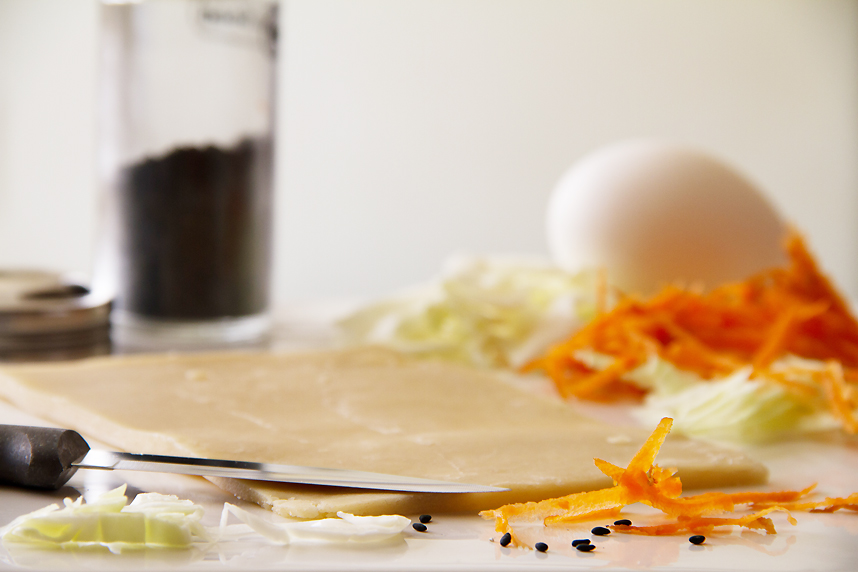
[{"x": 45, "y": 457}]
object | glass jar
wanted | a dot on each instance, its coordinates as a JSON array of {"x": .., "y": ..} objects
[{"x": 186, "y": 164}]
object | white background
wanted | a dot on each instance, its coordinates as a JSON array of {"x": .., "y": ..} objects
[{"x": 413, "y": 129}]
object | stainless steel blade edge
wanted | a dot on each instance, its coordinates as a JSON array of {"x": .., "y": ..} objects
[{"x": 109, "y": 460}]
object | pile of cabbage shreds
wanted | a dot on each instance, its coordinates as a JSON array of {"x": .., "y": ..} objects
[
  {"x": 644, "y": 482},
  {"x": 790, "y": 311}
]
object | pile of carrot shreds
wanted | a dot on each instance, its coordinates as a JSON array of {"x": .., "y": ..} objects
[
  {"x": 645, "y": 482},
  {"x": 791, "y": 311}
]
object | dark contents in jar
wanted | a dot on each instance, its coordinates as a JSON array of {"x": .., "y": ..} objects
[{"x": 196, "y": 226}]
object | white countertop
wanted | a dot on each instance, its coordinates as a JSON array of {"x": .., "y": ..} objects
[{"x": 824, "y": 542}]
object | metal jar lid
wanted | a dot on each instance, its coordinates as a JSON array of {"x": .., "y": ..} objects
[{"x": 44, "y": 315}]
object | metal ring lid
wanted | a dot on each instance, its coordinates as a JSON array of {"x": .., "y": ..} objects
[{"x": 45, "y": 311}]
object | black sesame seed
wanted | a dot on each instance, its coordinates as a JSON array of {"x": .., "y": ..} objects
[
  {"x": 600, "y": 531},
  {"x": 623, "y": 522},
  {"x": 425, "y": 518},
  {"x": 506, "y": 539},
  {"x": 586, "y": 547},
  {"x": 697, "y": 539},
  {"x": 419, "y": 527},
  {"x": 580, "y": 541},
  {"x": 541, "y": 546}
]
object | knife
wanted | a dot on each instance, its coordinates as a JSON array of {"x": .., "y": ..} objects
[{"x": 46, "y": 458}]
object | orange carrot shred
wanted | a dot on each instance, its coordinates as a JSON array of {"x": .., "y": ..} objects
[
  {"x": 609, "y": 469},
  {"x": 827, "y": 505},
  {"x": 704, "y": 524},
  {"x": 793, "y": 310},
  {"x": 645, "y": 482}
]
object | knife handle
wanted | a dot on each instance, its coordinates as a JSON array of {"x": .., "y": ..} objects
[{"x": 39, "y": 457}]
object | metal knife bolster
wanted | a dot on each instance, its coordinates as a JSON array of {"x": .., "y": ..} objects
[{"x": 110, "y": 460}]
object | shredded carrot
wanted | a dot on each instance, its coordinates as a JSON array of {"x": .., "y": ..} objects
[
  {"x": 827, "y": 505},
  {"x": 840, "y": 395},
  {"x": 645, "y": 482},
  {"x": 793, "y": 310},
  {"x": 779, "y": 498},
  {"x": 757, "y": 520}
]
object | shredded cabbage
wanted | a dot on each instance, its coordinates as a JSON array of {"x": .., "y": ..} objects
[
  {"x": 482, "y": 311},
  {"x": 151, "y": 520},
  {"x": 347, "y": 528},
  {"x": 734, "y": 408},
  {"x": 164, "y": 521}
]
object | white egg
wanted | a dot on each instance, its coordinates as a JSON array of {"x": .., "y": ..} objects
[{"x": 653, "y": 213}]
